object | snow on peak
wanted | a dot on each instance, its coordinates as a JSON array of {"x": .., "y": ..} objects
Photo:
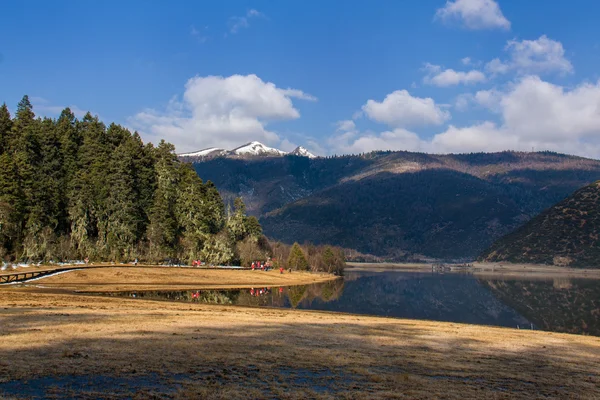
[
  {"x": 203, "y": 153},
  {"x": 249, "y": 149},
  {"x": 257, "y": 149},
  {"x": 302, "y": 152}
]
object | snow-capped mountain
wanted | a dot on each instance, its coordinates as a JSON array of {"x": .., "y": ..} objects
[
  {"x": 302, "y": 152},
  {"x": 252, "y": 149},
  {"x": 211, "y": 151},
  {"x": 257, "y": 149}
]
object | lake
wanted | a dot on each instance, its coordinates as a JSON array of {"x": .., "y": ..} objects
[{"x": 543, "y": 303}]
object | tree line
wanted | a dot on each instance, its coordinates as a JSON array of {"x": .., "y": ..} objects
[{"x": 73, "y": 188}]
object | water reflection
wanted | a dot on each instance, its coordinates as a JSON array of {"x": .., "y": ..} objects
[
  {"x": 555, "y": 304},
  {"x": 259, "y": 296}
]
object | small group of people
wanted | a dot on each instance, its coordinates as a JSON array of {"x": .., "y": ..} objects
[
  {"x": 260, "y": 292},
  {"x": 263, "y": 266}
]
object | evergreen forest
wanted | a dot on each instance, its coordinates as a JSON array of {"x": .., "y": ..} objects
[{"x": 74, "y": 188}]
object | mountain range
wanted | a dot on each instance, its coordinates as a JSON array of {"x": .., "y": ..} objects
[
  {"x": 398, "y": 205},
  {"x": 566, "y": 234},
  {"x": 252, "y": 149}
]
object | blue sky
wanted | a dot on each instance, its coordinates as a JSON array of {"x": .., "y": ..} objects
[{"x": 433, "y": 75}]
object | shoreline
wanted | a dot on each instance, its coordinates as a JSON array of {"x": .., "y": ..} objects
[{"x": 488, "y": 269}]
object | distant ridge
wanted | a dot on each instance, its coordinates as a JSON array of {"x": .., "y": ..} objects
[
  {"x": 398, "y": 204},
  {"x": 566, "y": 234},
  {"x": 251, "y": 149}
]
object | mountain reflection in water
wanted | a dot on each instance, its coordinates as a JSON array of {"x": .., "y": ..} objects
[{"x": 561, "y": 305}]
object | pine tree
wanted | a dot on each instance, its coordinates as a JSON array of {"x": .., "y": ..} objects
[
  {"x": 236, "y": 222},
  {"x": 163, "y": 231},
  {"x": 70, "y": 189},
  {"x": 5, "y": 127},
  {"x": 297, "y": 259},
  {"x": 122, "y": 213}
]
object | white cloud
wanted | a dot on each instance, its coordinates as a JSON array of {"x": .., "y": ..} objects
[
  {"x": 474, "y": 14},
  {"x": 449, "y": 77},
  {"x": 480, "y": 137},
  {"x": 220, "y": 111},
  {"x": 463, "y": 101},
  {"x": 345, "y": 125},
  {"x": 400, "y": 110},
  {"x": 489, "y": 99},
  {"x": 497, "y": 67},
  {"x": 299, "y": 94},
  {"x": 466, "y": 61},
  {"x": 237, "y": 23},
  {"x": 539, "y": 56},
  {"x": 44, "y": 107},
  {"x": 535, "y": 114},
  {"x": 396, "y": 139},
  {"x": 539, "y": 110},
  {"x": 532, "y": 114}
]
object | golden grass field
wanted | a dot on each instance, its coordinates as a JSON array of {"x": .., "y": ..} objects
[
  {"x": 123, "y": 347},
  {"x": 143, "y": 278}
]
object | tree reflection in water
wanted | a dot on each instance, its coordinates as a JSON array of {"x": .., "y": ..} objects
[
  {"x": 555, "y": 304},
  {"x": 259, "y": 297}
]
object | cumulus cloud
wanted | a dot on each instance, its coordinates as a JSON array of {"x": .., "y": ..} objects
[
  {"x": 237, "y": 23},
  {"x": 42, "y": 106},
  {"x": 474, "y": 14},
  {"x": 401, "y": 110},
  {"x": 489, "y": 99},
  {"x": 449, "y": 77},
  {"x": 540, "y": 110},
  {"x": 345, "y": 125},
  {"x": 539, "y": 56},
  {"x": 396, "y": 139},
  {"x": 532, "y": 113},
  {"x": 220, "y": 111}
]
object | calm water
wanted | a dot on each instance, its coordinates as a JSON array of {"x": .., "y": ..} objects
[{"x": 561, "y": 305}]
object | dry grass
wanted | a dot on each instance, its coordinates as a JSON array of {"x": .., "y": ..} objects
[
  {"x": 157, "y": 278},
  {"x": 201, "y": 351}
]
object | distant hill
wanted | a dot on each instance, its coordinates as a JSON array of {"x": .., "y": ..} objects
[
  {"x": 398, "y": 204},
  {"x": 567, "y": 234}
]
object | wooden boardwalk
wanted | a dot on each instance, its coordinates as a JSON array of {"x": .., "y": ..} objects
[{"x": 21, "y": 276}]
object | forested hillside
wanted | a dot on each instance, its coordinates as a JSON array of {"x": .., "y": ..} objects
[
  {"x": 399, "y": 205},
  {"x": 567, "y": 234},
  {"x": 74, "y": 188}
]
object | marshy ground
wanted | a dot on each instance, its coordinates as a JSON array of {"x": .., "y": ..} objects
[{"x": 62, "y": 345}]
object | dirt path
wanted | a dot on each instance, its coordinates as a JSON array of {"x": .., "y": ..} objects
[{"x": 68, "y": 345}]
